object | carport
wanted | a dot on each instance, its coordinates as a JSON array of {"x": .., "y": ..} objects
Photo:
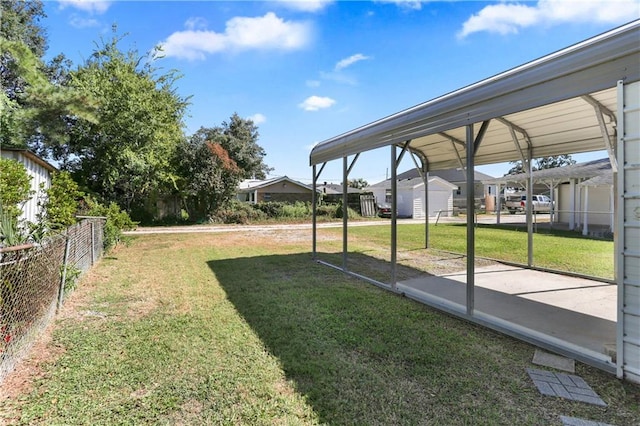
[{"x": 582, "y": 98}]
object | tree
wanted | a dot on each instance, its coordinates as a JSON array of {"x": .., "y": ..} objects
[
  {"x": 239, "y": 137},
  {"x": 34, "y": 110},
  {"x": 358, "y": 183},
  {"x": 20, "y": 24},
  {"x": 542, "y": 163},
  {"x": 125, "y": 155},
  {"x": 209, "y": 177}
]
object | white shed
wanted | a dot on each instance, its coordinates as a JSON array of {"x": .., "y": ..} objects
[
  {"x": 40, "y": 172},
  {"x": 411, "y": 201}
]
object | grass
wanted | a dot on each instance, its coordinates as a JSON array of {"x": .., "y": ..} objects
[
  {"x": 559, "y": 250},
  {"x": 244, "y": 329}
]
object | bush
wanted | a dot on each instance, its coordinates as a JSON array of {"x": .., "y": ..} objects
[
  {"x": 351, "y": 213},
  {"x": 61, "y": 204},
  {"x": 15, "y": 187},
  {"x": 298, "y": 210},
  {"x": 239, "y": 213},
  {"x": 117, "y": 221}
]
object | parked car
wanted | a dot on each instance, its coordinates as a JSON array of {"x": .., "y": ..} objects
[
  {"x": 384, "y": 210},
  {"x": 518, "y": 203}
]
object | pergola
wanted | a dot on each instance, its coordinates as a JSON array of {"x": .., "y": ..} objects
[{"x": 582, "y": 98}]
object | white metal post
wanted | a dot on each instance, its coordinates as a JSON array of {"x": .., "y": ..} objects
[
  {"x": 470, "y": 222},
  {"x": 394, "y": 218}
]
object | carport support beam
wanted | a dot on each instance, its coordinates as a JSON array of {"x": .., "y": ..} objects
[
  {"x": 470, "y": 222},
  {"x": 394, "y": 216},
  {"x": 345, "y": 213},
  {"x": 314, "y": 202}
]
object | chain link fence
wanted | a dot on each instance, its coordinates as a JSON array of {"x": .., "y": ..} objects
[{"x": 33, "y": 281}]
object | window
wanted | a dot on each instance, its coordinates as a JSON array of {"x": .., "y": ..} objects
[
  {"x": 387, "y": 196},
  {"x": 267, "y": 196},
  {"x": 459, "y": 191}
]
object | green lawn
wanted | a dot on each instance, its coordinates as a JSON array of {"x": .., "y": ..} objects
[
  {"x": 245, "y": 329},
  {"x": 564, "y": 251}
]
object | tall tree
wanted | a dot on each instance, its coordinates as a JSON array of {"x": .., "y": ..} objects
[
  {"x": 239, "y": 137},
  {"x": 126, "y": 154},
  {"x": 34, "y": 103},
  {"x": 209, "y": 177},
  {"x": 358, "y": 183},
  {"x": 20, "y": 23},
  {"x": 542, "y": 163}
]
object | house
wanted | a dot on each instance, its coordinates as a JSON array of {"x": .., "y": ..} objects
[
  {"x": 458, "y": 178},
  {"x": 411, "y": 200},
  {"x": 40, "y": 172},
  {"x": 281, "y": 189}
]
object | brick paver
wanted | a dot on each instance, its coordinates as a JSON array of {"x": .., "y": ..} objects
[{"x": 564, "y": 386}]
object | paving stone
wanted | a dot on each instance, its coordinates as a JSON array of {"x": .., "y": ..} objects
[
  {"x": 546, "y": 359},
  {"x": 564, "y": 386},
  {"x": 575, "y": 421}
]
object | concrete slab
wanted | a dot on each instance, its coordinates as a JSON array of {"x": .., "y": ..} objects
[
  {"x": 565, "y": 386},
  {"x": 546, "y": 359},
  {"x": 579, "y": 311}
]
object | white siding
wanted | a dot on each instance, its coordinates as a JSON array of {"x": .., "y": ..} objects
[
  {"x": 599, "y": 206},
  {"x": 628, "y": 242},
  {"x": 39, "y": 175}
]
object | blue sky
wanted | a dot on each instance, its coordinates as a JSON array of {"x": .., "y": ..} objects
[{"x": 306, "y": 71}]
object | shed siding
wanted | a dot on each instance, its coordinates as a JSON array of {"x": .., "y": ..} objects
[
  {"x": 629, "y": 226},
  {"x": 599, "y": 205},
  {"x": 39, "y": 176}
]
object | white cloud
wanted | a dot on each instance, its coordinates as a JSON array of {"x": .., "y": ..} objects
[
  {"x": 313, "y": 83},
  {"x": 406, "y": 4},
  {"x": 257, "y": 118},
  {"x": 91, "y": 6},
  {"x": 241, "y": 33},
  {"x": 196, "y": 23},
  {"x": 509, "y": 18},
  {"x": 306, "y": 5},
  {"x": 80, "y": 22},
  {"x": 344, "y": 63},
  {"x": 316, "y": 103}
]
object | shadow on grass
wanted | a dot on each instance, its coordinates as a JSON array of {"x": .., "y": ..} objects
[{"x": 361, "y": 355}]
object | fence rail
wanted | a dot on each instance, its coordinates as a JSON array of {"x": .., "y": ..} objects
[{"x": 33, "y": 282}]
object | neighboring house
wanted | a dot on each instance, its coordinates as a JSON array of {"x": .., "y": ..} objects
[
  {"x": 458, "y": 178},
  {"x": 411, "y": 201},
  {"x": 275, "y": 189},
  {"x": 582, "y": 192},
  {"x": 40, "y": 172}
]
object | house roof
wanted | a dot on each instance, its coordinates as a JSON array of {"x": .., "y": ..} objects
[
  {"x": 413, "y": 182},
  {"x": 253, "y": 184},
  {"x": 547, "y": 107},
  {"x": 33, "y": 157},
  {"x": 589, "y": 169},
  {"x": 450, "y": 175},
  {"x": 603, "y": 180}
]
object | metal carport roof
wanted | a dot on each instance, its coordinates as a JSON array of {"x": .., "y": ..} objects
[
  {"x": 560, "y": 103},
  {"x": 579, "y": 99}
]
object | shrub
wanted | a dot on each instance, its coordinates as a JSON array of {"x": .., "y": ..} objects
[
  {"x": 298, "y": 210},
  {"x": 15, "y": 186},
  {"x": 351, "y": 213},
  {"x": 237, "y": 212},
  {"x": 117, "y": 221},
  {"x": 61, "y": 204}
]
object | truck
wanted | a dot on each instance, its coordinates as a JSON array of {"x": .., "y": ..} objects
[{"x": 518, "y": 203}]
